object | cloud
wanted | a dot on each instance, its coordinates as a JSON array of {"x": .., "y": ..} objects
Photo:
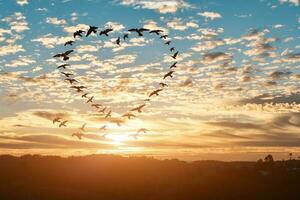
[
  {"x": 161, "y": 6},
  {"x": 214, "y": 57},
  {"x": 178, "y": 24},
  {"x": 50, "y": 41},
  {"x": 21, "y": 61},
  {"x": 210, "y": 15},
  {"x": 22, "y": 2},
  {"x": 10, "y": 49},
  {"x": 55, "y": 21},
  {"x": 292, "y": 2},
  {"x": 17, "y": 22},
  {"x": 267, "y": 98}
]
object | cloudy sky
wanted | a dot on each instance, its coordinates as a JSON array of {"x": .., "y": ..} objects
[{"x": 234, "y": 94}]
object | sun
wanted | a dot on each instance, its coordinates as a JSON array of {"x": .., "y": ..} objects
[{"x": 118, "y": 139}]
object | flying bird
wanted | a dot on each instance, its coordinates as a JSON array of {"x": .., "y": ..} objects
[
  {"x": 172, "y": 49},
  {"x": 118, "y": 41},
  {"x": 77, "y": 134},
  {"x": 64, "y": 55},
  {"x": 96, "y": 105},
  {"x": 67, "y": 74},
  {"x": 155, "y": 92},
  {"x": 135, "y": 136},
  {"x": 57, "y": 119},
  {"x": 138, "y": 30},
  {"x": 147, "y": 99},
  {"x": 163, "y": 37},
  {"x": 108, "y": 114},
  {"x": 173, "y": 65},
  {"x": 62, "y": 66},
  {"x": 168, "y": 74},
  {"x": 71, "y": 80},
  {"x": 78, "y": 88},
  {"x": 144, "y": 130},
  {"x": 139, "y": 108},
  {"x": 70, "y": 42},
  {"x": 106, "y": 31},
  {"x": 82, "y": 128},
  {"x": 163, "y": 84},
  {"x": 129, "y": 115},
  {"x": 84, "y": 95},
  {"x": 102, "y": 110},
  {"x": 103, "y": 128},
  {"x": 92, "y": 29},
  {"x": 125, "y": 36},
  {"x": 168, "y": 42},
  {"x": 78, "y": 33},
  {"x": 175, "y": 55},
  {"x": 63, "y": 123},
  {"x": 90, "y": 100},
  {"x": 156, "y": 31}
]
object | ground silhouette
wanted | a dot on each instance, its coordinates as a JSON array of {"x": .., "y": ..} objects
[{"x": 111, "y": 177}]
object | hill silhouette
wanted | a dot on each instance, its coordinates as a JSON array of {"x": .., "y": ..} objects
[{"x": 111, "y": 177}]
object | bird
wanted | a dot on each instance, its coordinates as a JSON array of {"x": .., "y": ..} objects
[
  {"x": 63, "y": 123},
  {"x": 172, "y": 49},
  {"x": 155, "y": 92},
  {"x": 175, "y": 55},
  {"x": 84, "y": 95},
  {"x": 82, "y": 128},
  {"x": 144, "y": 130},
  {"x": 173, "y": 65},
  {"x": 156, "y": 31},
  {"x": 168, "y": 74},
  {"x": 102, "y": 110},
  {"x": 163, "y": 37},
  {"x": 62, "y": 66},
  {"x": 57, "y": 119},
  {"x": 118, "y": 41},
  {"x": 67, "y": 74},
  {"x": 70, "y": 42},
  {"x": 77, "y": 134},
  {"x": 138, "y": 30},
  {"x": 71, "y": 80},
  {"x": 125, "y": 36},
  {"x": 128, "y": 115},
  {"x": 92, "y": 29},
  {"x": 104, "y": 135},
  {"x": 108, "y": 114},
  {"x": 168, "y": 42},
  {"x": 90, "y": 100},
  {"x": 78, "y": 88},
  {"x": 64, "y": 55},
  {"x": 163, "y": 84},
  {"x": 96, "y": 105},
  {"x": 147, "y": 99},
  {"x": 134, "y": 135},
  {"x": 106, "y": 31},
  {"x": 78, "y": 33},
  {"x": 139, "y": 108},
  {"x": 103, "y": 128}
]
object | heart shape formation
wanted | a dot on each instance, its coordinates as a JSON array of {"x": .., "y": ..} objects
[{"x": 81, "y": 89}]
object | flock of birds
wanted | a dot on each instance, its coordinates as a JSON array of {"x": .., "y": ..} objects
[{"x": 89, "y": 99}]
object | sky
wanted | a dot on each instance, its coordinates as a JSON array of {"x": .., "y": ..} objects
[{"x": 234, "y": 94}]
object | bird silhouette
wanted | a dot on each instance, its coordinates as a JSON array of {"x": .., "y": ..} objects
[
  {"x": 62, "y": 66},
  {"x": 96, "y": 105},
  {"x": 163, "y": 37},
  {"x": 172, "y": 49},
  {"x": 118, "y": 41},
  {"x": 82, "y": 128},
  {"x": 71, "y": 80},
  {"x": 103, "y": 128},
  {"x": 138, "y": 30},
  {"x": 156, "y": 31},
  {"x": 102, "y": 110},
  {"x": 147, "y": 99},
  {"x": 163, "y": 84},
  {"x": 67, "y": 74},
  {"x": 173, "y": 65},
  {"x": 168, "y": 42},
  {"x": 135, "y": 136},
  {"x": 175, "y": 55},
  {"x": 64, "y": 55},
  {"x": 92, "y": 29},
  {"x": 70, "y": 42},
  {"x": 78, "y": 135},
  {"x": 155, "y": 92},
  {"x": 144, "y": 130},
  {"x": 63, "y": 123},
  {"x": 78, "y": 33},
  {"x": 78, "y": 88},
  {"x": 106, "y": 31},
  {"x": 129, "y": 115},
  {"x": 108, "y": 114},
  {"x": 139, "y": 108},
  {"x": 90, "y": 100},
  {"x": 84, "y": 95},
  {"x": 57, "y": 119},
  {"x": 168, "y": 74},
  {"x": 125, "y": 36}
]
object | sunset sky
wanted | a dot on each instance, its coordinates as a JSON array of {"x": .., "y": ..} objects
[{"x": 234, "y": 94}]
